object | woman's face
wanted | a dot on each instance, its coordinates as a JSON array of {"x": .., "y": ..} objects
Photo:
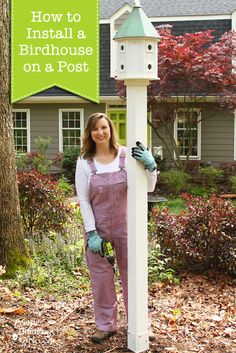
[{"x": 101, "y": 132}]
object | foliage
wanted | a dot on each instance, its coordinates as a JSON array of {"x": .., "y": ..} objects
[
  {"x": 197, "y": 57},
  {"x": 42, "y": 144},
  {"x": 229, "y": 170},
  {"x": 42, "y": 203},
  {"x": 58, "y": 262},
  {"x": 202, "y": 238},
  {"x": 36, "y": 160},
  {"x": 21, "y": 160},
  {"x": 198, "y": 190},
  {"x": 191, "y": 68},
  {"x": 66, "y": 187},
  {"x": 211, "y": 176},
  {"x": 192, "y": 167},
  {"x": 67, "y": 162},
  {"x": 233, "y": 182},
  {"x": 175, "y": 181},
  {"x": 158, "y": 267}
]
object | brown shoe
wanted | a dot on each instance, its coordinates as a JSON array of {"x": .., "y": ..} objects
[
  {"x": 100, "y": 336},
  {"x": 151, "y": 335}
]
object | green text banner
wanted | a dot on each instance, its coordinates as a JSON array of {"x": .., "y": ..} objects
[{"x": 55, "y": 43}]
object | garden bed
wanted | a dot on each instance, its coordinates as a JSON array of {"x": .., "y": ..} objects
[{"x": 196, "y": 316}]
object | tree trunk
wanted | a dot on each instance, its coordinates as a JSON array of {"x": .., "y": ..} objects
[{"x": 13, "y": 251}]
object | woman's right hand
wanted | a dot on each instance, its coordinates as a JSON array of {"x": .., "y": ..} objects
[{"x": 94, "y": 241}]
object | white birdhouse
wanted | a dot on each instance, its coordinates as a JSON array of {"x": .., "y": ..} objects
[{"x": 137, "y": 47}]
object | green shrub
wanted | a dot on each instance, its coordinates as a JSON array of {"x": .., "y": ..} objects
[
  {"x": 66, "y": 187},
  {"x": 42, "y": 203},
  {"x": 36, "y": 160},
  {"x": 158, "y": 267},
  {"x": 211, "y": 176},
  {"x": 202, "y": 238},
  {"x": 233, "y": 182},
  {"x": 58, "y": 259},
  {"x": 58, "y": 262},
  {"x": 67, "y": 162},
  {"x": 175, "y": 181},
  {"x": 198, "y": 190},
  {"x": 21, "y": 160}
]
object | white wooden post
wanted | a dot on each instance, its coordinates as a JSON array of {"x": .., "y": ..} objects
[
  {"x": 137, "y": 218},
  {"x": 136, "y": 65}
]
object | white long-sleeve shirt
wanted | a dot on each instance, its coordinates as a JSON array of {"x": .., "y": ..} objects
[{"x": 82, "y": 177}]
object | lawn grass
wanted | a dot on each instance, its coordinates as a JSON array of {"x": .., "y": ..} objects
[{"x": 175, "y": 205}]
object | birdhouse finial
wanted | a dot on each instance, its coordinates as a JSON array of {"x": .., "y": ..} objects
[{"x": 137, "y": 3}]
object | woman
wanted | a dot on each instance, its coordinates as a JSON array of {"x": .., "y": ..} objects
[{"x": 101, "y": 184}]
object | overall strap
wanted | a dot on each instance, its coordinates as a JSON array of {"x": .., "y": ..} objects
[
  {"x": 122, "y": 158},
  {"x": 92, "y": 165}
]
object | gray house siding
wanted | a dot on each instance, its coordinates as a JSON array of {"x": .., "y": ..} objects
[
  {"x": 44, "y": 120},
  {"x": 217, "y": 136},
  {"x": 157, "y": 142}
]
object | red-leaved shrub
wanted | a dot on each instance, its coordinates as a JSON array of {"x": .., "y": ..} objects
[
  {"x": 201, "y": 238},
  {"x": 42, "y": 202}
]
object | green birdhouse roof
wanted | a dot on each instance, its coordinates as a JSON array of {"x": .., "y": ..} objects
[{"x": 136, "y": 25}]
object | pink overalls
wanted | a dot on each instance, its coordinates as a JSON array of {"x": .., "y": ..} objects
[{"x": 108, "y": 197}]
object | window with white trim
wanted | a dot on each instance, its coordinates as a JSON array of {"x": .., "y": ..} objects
[
  {"x": 70, "y": 127},
  {"x": 187, "y": 130},
  {"x": 21, "y": 127}
]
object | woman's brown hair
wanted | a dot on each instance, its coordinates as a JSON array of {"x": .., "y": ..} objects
[{"x": 88, "y": 149}]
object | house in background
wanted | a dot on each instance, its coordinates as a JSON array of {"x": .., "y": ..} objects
[{"x": 61, "y": 115}]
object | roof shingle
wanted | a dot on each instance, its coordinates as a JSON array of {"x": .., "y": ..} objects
[{"x": 156, "y": 8}]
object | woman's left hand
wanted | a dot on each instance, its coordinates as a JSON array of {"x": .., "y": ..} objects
[{"x": 143, "y": 155}]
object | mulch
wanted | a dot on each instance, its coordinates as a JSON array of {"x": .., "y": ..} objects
[{"x": 199, "y": 315}]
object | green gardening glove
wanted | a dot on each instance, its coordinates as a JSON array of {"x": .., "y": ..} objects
[
  {"x": 144, "y": 156},
  {"x": 94, "y": 241}
]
